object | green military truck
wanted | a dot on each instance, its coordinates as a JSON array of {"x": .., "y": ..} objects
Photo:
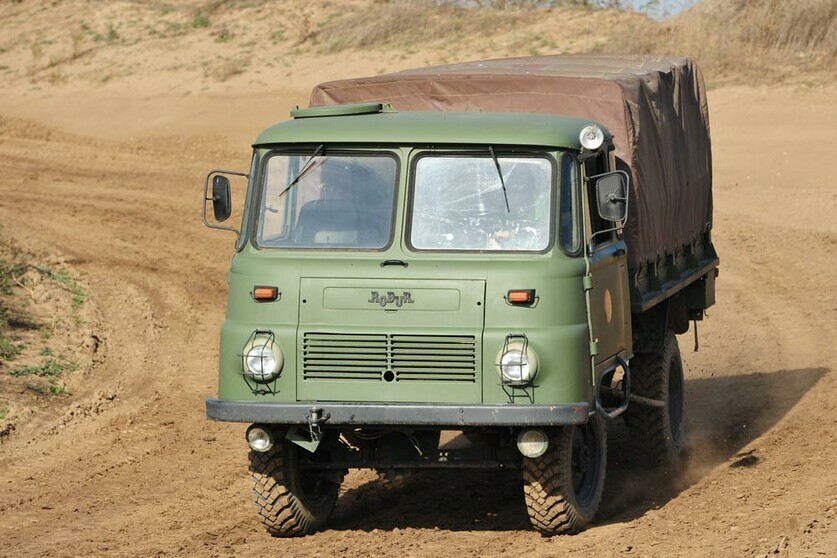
[{"x": 503, "y": 248}]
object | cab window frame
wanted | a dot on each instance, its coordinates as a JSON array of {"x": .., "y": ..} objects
[
  {"x": 482, "y": 152},
  {"x": 571, "y": 163},
  {"x": 337, "y": 151},
  {"x": 593, "y": 222},
  {"x": 247, "y": 212}
]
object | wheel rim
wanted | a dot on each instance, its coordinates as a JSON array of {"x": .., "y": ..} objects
[
  {"x": 585, "y": 463},
  {"x": 316, "y": 491},
  {"x": 675, "y": 402},
  {"x": 313, "y": 490}
]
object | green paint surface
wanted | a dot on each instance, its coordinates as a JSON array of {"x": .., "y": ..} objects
[
  {"x": 410, "y": 128},
  {"x": 352, "y": 330}
]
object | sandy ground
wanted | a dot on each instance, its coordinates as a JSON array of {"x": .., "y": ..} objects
[{"x": 109, "y": 179}]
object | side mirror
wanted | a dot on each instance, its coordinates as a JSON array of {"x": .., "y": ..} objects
[
  {"x": 221, "y": 200},
  {"x": 612, "y": 196}
]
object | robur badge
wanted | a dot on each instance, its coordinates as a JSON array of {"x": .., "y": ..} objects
[{"x": 391, "y": 298}]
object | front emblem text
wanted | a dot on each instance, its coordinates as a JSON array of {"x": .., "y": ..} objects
[{"x": 391, "y": 298}]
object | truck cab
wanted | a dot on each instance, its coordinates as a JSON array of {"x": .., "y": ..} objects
[{"x": 422, "y": 272}]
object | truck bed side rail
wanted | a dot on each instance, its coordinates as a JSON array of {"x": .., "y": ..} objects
[{"x": 657, "y": 281}]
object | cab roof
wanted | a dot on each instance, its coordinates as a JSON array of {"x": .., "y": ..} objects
[{"x": 386, "y": 126}]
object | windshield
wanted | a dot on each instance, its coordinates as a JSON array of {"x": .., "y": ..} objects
[
  {"x": 459, "y": 203},
  {"x": 340, "y": 201}
]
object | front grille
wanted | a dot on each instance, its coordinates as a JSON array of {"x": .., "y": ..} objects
[
  {"x": 380, "y": 357},
  {"x": 336, "y": 356}
]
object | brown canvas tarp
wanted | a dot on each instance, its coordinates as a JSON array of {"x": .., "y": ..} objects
[{"x": 655, "y": 107}]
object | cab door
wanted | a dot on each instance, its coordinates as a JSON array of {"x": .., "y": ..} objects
[
  {"x": 607, "y": 300},
  {"x": 607, "y": 254}
]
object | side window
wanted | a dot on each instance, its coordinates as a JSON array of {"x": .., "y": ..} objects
[
  {"x": 592, "y": 167},
  {"x": 570, "y": 233}
]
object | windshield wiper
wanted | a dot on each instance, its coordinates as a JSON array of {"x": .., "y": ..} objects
[
  {"x": 307, "y": 167},
  {"x": 500, "y": 174}
]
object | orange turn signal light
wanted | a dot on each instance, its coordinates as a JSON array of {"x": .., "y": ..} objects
[
  {"x": 522, "y": 296},
  {"x": 265, "y": 294}
]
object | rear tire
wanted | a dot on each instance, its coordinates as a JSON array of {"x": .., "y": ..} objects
[
  {"x": 290, "y": 499},
  {"x": 657, "y": 433},
  {"x": 563, "y": 487}
]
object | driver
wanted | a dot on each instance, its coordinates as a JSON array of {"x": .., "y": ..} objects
[
  {"x": 522, "y": 227},
  {"x": 336, "y": 181}
]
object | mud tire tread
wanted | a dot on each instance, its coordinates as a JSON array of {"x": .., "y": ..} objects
[
  {"x": 282, "y": 512},
  {"x": 651, "y": 438},
  {"x": 548, "y": 485}
]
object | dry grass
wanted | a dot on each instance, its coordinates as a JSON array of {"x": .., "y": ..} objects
[
  {"x": 225, "y": 69},
  {"x": 763, "y": 38},
  {"x": 767, "y": 38},
  {"x": 302, "y": 24},
  {"x": 734, "y": 40},
  {"x": 797, "y": 26},
  {"x": 414, "y": 25}
]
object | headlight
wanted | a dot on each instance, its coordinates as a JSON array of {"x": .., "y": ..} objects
[
  {"x": 518, "y": 365},
  {"x": 591, "y": 137},
  {"x": 259, "y": 438},
  {"x": 262, "y": 359},
  {"x": 514, "y": 366},
  {"x": 532, "y": 442}
]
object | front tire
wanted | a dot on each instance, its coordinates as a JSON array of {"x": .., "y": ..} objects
[
  {"x": 290, "y": 499},
  {"x": 657, "y": 433},
  {"x": 563, "y": 487}
]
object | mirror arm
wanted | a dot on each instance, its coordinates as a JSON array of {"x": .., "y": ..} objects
[
  {"x": 207, "y": 198},
  {"x": 591, "y": 245}
]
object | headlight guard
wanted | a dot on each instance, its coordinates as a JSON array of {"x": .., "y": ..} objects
[
  {"x": 262, "y": 359},
  {"x": 517, "y": 362}
]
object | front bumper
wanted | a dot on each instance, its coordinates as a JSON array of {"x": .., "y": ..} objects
[{"x": 398, "y": 414}]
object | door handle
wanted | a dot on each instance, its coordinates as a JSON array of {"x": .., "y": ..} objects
[
  {"x": 402, "y": 263},
  {"x": 619, "y": 252}
]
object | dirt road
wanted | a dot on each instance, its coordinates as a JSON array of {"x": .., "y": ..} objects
[{"x": 133, "y": 468}]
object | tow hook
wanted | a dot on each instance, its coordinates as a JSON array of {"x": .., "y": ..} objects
[{"x": 314, "y": 417}]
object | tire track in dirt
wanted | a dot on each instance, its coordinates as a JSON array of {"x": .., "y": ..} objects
[{"x": 107, "y": 454}]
